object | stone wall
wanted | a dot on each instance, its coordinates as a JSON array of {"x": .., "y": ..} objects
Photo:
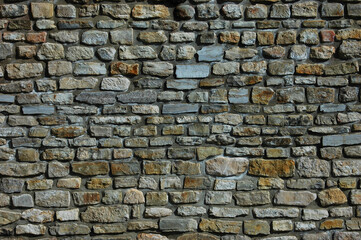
[{"x": 180, "y": 119}]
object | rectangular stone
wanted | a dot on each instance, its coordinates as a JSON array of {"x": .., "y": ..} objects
[
  {"x": 22, "y": 169},
  {"x": 338, "y": 140},
  {"x": 7, "y": 98},
  {"x": 52, "y": 198},
  {"x": 332, "y": 108},
  {"x": 238, "y": 96},
  {"x": 96, "y": 97},
  {"x": 146, "y": 96},
  {"x": 90, "y": 68},
  {"x": 346, "y": 168},
  {"x": 354, "y": 10},
  {"x": 38, "y": 109},
  {"x": 106, "y": 214},
  {"x": 12, "y": 132},
  {"x": 192, "y": 71},
  {"x": 24, "y": 70},
  {"x": 182, "y": 84},
  {"x": 220, "y": 226},
  {"x": 180, "y": 108},
  {"x": 178, "y": 225},
  {"x": 210, "y": 54}
]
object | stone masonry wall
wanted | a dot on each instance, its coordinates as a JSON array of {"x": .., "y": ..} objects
[{"x": 180, "y": 119}]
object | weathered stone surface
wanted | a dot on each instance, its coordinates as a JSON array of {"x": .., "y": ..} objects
[
  {"x": 13, "y": 10},
  {"x": 23, "y": 201},
  {"x": 258, "y": 11},
  {"x": 198, "y": 236},
  {"x": 106, "y": 53},
  {"x": 38, "y": 216},
  {"x": 225, "y": 68},
  {"x": 332, "y": 196},
  {"x": 192, "y": 71},
  {"x": 96, "y": 97},
  {"x": 220, "y": 226},
  {"x": 252, "y": 198},
  {"x": 68, "y": 132},
  {"x": 306, "y": 9},
  {"x": 75, "y": 53},
  {"x": 31, "y": 229},
  {"x": 89, "y": 68},
  {"x": 274, "y": 52},
  {"x": 132, "y": 53},
  {"x": 320, "y": 95},
  {"x": 68, "y": 83},
  {"x": 222, "y": 166},
  {"x": 262, "y": 95},
  {"x": 180, "y": 108},
  {"x": 207, "y": 11},
  {"x": 51, "y": 51},
  {"x": 338, "y": 140},
  {"x": 177, "y": 225},
  {"x": 309, "y": 167},
  {"x": 170, "y": 119},
  {"x": 322, "y": 53},
  {"x": 24, "y": 70},
  {"x": 62, "y": 229},
  {"x": 90, "y": 168},
  {"x": 281, "y": 67},
  {"x": 22, "y": 169},
  {"x": 111, "y": 214},
  {"x": 52, "y": 198},
  {"x": 42, "y": 10},
  {"x": 272, "y": 168},
  {"x": 185, "y": 197},
  {"x": 85, "y": 198},
  {"x": 11, "y": 185},
  {"x": 152, "y": 37},
  {"x": 124, "y": 68},
  {"x": 7, "y": 217},
  {"x": 210, "y": 54},
  {"x": 293, "y": 198},
  {"x": 256, "y": 227},
  {"x": 276, "y": 212},
  {"x": 342, "y": 68},
  {"x": 94, "y": 37},
  {"x": 59, "y": 68},
  {"x": 118, "y": 11},
  {"x": 6, "y": 50},
  {"x": 133, "y": 196},
  {"x": 115, "y": 84},
  {"x": 150, "y": 11},
  {"x": 159, "y": 69}
]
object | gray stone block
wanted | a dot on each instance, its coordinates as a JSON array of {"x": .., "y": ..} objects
[
  {"x": 180, "y": 108},
  {"x": 192, "y": 71}
]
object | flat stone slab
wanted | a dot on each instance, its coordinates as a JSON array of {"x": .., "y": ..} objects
[
  {"x": 192, "y": 71},
  {"x": 338, "y": 140}
]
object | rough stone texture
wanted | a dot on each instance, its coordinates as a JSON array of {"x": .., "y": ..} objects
[
  {"x": 222, "y": 166},
  {"x": 293, "y": 198},
  {"x": 333, "y": 196},
  {"x": 182, "y": 119}
]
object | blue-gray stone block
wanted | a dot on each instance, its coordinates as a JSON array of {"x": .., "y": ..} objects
[
  {"x": 7, "y": 98},
  {"x": 238, "y": 95},
  {"x": 333, "y": 107},
  {"x": 182, "y": 84},
  {"x": 38, "y": 109},
  {"x": 338, "y": 140},
  {"x": 192, "y": 71},
  {"x": 180, "y": 108},
  {"x": 210, "y": 54}
]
